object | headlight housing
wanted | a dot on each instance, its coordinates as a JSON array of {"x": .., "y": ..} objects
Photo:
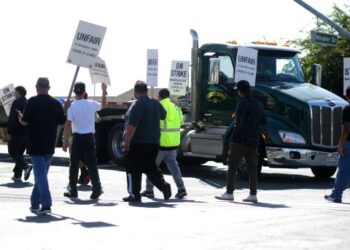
[{"x": 291, "y": 138}]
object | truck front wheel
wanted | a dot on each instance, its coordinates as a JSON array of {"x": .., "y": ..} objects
[
  {"x": 323, "y": 173},
  {"x": 115, "y": 140}
]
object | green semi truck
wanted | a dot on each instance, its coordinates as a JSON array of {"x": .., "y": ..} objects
[{"x": 303, "y": 120}]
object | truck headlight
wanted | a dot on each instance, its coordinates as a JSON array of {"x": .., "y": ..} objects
[{"x": 290, "y": 137}]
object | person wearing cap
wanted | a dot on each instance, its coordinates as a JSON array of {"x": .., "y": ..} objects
[
  {"x": 81, "y": 121},
  {"x": 249, "y": 116},
  {"x": 42, "y": 116},
  {"x": 141, "y": 143},
  {"x": 169, "y": 142},
  {"x": 17, "y": 136}
]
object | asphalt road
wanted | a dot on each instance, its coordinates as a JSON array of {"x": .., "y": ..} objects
[{"x": 291, "y": 213}]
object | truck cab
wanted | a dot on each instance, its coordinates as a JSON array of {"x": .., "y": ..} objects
[{"x": 303, "y": 120}]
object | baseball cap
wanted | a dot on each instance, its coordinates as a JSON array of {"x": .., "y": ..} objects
[
  {"x": 79, "y": 88},
  {"x": 243, "y": 86}
]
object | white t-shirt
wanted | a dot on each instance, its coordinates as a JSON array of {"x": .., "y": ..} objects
[{"x": 82, "y": 115}]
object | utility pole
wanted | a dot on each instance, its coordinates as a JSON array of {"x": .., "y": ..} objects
[{"x": 335, "y": 26}]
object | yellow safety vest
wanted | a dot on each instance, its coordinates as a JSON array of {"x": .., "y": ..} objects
[{"x": 170, "y": 127}]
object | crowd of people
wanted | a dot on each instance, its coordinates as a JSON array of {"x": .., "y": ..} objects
[{"x": 151, "y": 136}]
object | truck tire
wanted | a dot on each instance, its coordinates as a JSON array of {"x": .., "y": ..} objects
[
  {"x": 115, "y": 140},
  {"x": 323, "y": 173}
]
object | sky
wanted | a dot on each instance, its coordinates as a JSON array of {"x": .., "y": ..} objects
[{"x": 37, "y": 35}]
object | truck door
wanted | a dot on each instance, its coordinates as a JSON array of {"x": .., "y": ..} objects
[{"x": 220, "y": 98}]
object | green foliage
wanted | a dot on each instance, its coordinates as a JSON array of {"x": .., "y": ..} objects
[{"x": 331, "y": 58}]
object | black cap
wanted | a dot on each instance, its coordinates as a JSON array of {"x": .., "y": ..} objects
[
  {"x": 79, "y": 88},
  {"x": 243, "y": 86},
  {"x": 43, "y": 82},
  {"x": 21, "y": 90}
]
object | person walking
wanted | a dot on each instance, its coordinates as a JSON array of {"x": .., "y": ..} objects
[
  {"x": 244, "y": 142},
  {"x": 81, "y": 121},
  {"x": 169, "y": 142},
  {"x": 42, "y": 116},
  {"x": 141, "y": 143},
  {"x": 17, "y": 136},
  {"x": 342, "y": 180}
]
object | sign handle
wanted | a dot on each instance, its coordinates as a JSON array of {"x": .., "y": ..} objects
[{"x": 74, "y": 79}]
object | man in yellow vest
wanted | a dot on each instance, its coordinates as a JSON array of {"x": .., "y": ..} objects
[{"x": 169, "y": 142}]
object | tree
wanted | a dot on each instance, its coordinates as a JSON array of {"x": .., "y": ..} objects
[{"x": 331, "y": 58}]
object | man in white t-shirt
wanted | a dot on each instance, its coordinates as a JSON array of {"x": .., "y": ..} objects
[{"x": 81, "y": 121}]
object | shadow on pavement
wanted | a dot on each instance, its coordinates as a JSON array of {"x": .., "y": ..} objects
[
  {"x": 17, "y": 184},
  {"x": 262, "y": 204},
  {"x": 77, "y": 201},
  {"x": 153, "y": 204},
  {"x": 175, "y": 200},
  {"x": 57, "y": 217},
  {"x": 216, "y": 177},
  {"x": 42, "y": 218}
]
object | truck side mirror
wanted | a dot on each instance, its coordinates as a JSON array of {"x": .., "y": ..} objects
[{"x": 316, "y": 74}]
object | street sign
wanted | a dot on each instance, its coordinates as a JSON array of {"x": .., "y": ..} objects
[{"x": 323, "y": 38}]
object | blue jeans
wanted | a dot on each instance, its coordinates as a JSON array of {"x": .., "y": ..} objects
[
  {"x": 343, "y": 175},
  {"x": 41, "y": 192}
]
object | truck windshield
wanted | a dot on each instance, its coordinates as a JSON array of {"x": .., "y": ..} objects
[{"x": 278, "y": 66}]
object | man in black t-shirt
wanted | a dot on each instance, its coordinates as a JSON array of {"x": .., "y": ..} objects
[
  {"x": 42, "y": 116},
  {"x": 249, "y": 116},
  {"x": 141, "y": 143},
  {"x": 342, "y": 180}
]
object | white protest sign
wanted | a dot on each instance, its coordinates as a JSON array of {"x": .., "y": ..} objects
[
  {"x": 346, "y": 74},
  {"x": 152, "y": 67},
  {"x": 246, "y": 63},
  {"x": 99, "y": 72},
  {"x": 178, "y": 77},
  {"x": 86, "y": 44},
  {"x": 7, "y": 96}
]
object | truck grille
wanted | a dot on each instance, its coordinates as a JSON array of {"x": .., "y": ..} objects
[{"x": 325, "y": 125}]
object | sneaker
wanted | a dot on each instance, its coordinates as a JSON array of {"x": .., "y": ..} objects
[
  {"x": 148, "y": 194},
  {"x": 27, "y": 171},
  {"x": 167, "y": 191},
  {"x": 251, "y": 198},
  {"x": 71, "y": 194},
  {"x": 44, "y": 210},
  {"x": 225, "y": 196},
  {"x": 132, "y": 198},
  {"x": 96, "y": 195},
  {"x": 34, "y": 210},
  {"x": 332, "y": 199},
  {"x": 16, "y": 179},
  {"x": 181, "y": 194}
]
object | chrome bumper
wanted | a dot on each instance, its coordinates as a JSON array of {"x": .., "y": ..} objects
[{"x": 295, "y": 157}]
